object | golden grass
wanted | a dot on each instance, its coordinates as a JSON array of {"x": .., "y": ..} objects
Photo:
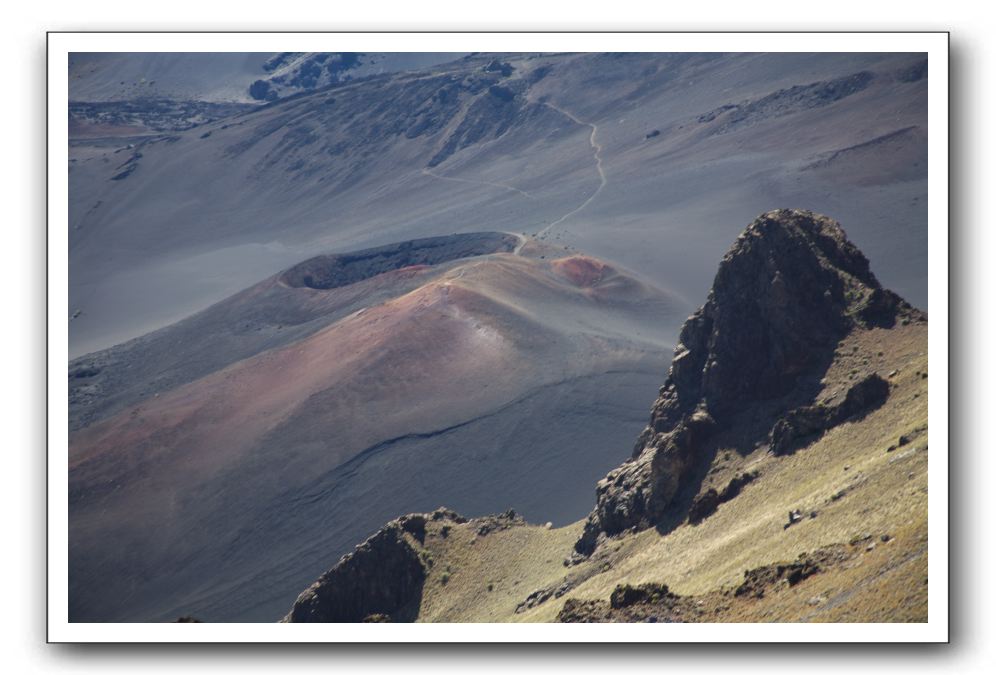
[
  {"x": 513, "y": 562},
  {"x": 885, "y": 493}
]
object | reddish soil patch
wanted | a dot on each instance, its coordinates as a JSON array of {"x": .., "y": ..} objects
[{"x": 581, "y": 270}]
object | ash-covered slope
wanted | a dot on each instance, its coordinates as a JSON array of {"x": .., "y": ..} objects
[
  {"x": 205, "y": 457},
  {"x": 280, "y": 310},
  {"x": 785, "y": 294}
]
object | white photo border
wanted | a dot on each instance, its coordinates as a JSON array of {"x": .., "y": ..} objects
[{"x": 61, "y": 44}]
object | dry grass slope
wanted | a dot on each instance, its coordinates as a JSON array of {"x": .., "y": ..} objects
[{"x": 868, "y": 492}]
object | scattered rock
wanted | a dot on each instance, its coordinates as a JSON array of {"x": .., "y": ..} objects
[
  {"x": 625, "y": 595},
  {"x": 802, "y": 425},
  {"x": 795, "y": 516},
  {"x": 656, "y": 603},
  {"x": 706, "y": 503},
  {"x": 760, "y": 579},
  {"x": 84, "y": 371},
  {"x": 502, "y": 67},
  {"x": 534, "y": 599},
  {"x": 443, "y": 513},
  {"x": 377, "y": 618},
  {"x": 731, "y": 117},
  {"x": 495, "y": 523},
  {"x": 582, "y": 611}
]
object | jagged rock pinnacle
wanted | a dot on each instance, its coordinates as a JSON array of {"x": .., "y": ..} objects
[{"x": 787, "y": 291}]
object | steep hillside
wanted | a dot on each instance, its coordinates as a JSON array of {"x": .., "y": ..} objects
[
  {"x": 782, "y": 476},
  {"x": 216, "y": 462}
]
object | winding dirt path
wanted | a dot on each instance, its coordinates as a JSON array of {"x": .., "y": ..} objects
[{"x": 596, "y": 146}]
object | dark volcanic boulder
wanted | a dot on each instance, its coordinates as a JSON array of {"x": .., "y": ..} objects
[
  {"x": 626, "y": 595},
  {"x": 706, "y": 503},
  {"x": 262, "y": 91},
  {"x": 785, "y": 294},
  {"x": 382, "y": 577},
  {"x": 802, "y": 424}
]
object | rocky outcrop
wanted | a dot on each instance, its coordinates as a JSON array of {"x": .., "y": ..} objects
[
  {"x": 495, "y": 523},
  {"x": 760, "y": 579},
  {"x": 705, "y": 504},
  {"x": 627, "y": 596},
  {"x": 656, "y": 603},
  {"x": 381, "y": 580},
  {"x": 637, "y": 494},
  {"x": 802, "y": 425},
  {"x": 785, "y": 294},
  {"x": 732, "y": 117}
]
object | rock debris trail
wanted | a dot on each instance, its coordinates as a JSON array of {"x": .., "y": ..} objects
[
  {"x": 598, "y": 166},
  {"x": 428, "y": 172}
]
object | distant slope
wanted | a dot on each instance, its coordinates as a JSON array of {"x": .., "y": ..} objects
[
  {"x": 225, "y": 76},
  {"x": 782, "y": 476},
  {"x": 115, "y": 76},
  {"x": 290, "y": 73},
  {"x": 503, "y": 142},
  {"x": 206, "y": 455}
]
